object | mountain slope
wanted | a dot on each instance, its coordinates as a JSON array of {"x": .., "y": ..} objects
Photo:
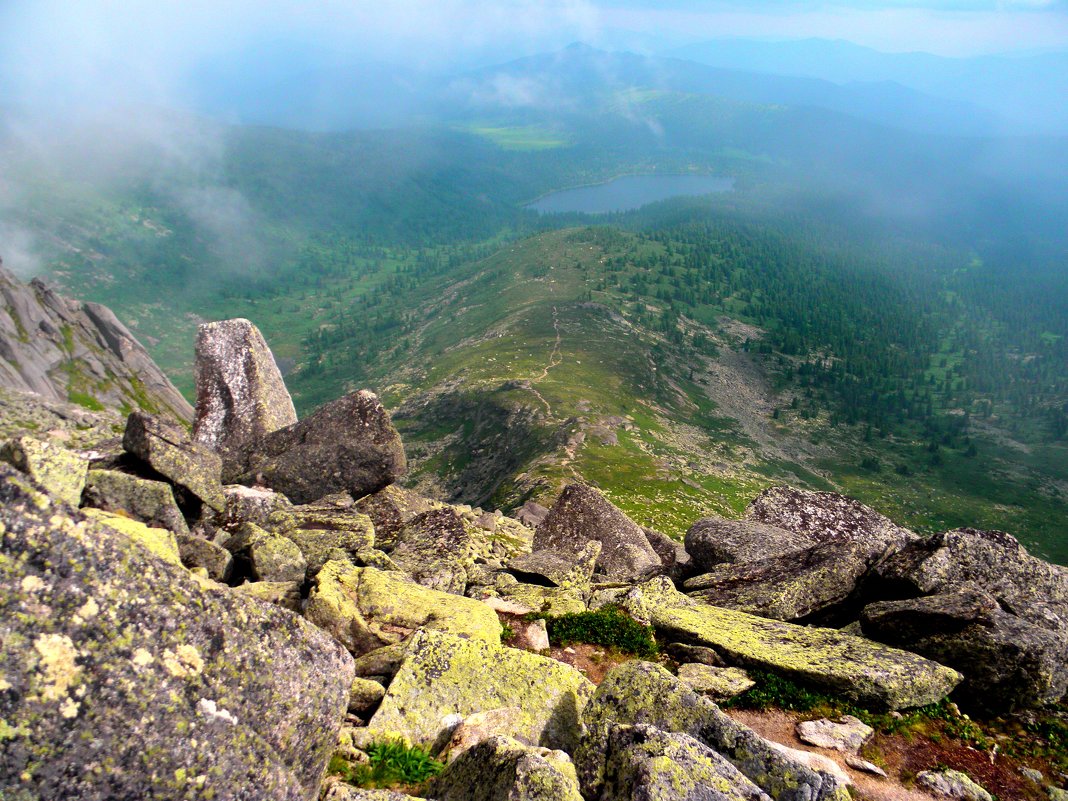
[{"x": 66, "y": 350}]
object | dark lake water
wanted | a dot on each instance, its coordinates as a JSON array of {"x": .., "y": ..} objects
[{"x": 629, "y": 192}]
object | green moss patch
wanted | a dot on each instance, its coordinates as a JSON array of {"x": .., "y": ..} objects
[{"x": 609, "y": 627}]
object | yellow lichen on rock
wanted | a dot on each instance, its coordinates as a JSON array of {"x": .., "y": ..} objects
[{"x": 57, "y": 665}]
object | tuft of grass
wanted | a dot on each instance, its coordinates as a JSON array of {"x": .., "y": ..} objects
[
  {"x": 392, "y": 764},
  {"x": 610, "y": 627}
]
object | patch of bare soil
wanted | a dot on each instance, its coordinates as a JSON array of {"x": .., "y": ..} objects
[
  {"x": 592, "y": 661},
  {"x": 902, "y": 756}
]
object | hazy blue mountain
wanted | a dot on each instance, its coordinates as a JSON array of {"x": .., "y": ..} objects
[{"x": 1026, "y": 91}]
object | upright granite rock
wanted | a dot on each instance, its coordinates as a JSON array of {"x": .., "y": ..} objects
[
  {"x": 366, "y": 608},
  {"x": 151, "y": 502},
  {"x": 122, "y": 678},
  {"x": 641, "y": 693},
  {"x": 465, "y": 676},
  {"x": 240, "y": 392},
  {"x": 60, "y": 472},
  {"x": 874, "y": 675},
  {"x": 348, "y": 445},
  {"x": 503, "y": 769},
  {"x": 558, "y": 568},
  {"x": 436, "y": 549},
  {"x": 166, "y": 448},
  {"x": 582, "y": 514},
  {"x": 643, "y": 763},
  {"x": 713, "y": 541},
  {"x": 1007, "y": 661}
]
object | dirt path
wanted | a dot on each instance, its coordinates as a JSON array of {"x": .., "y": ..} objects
[{"x": 554, "y": 360}]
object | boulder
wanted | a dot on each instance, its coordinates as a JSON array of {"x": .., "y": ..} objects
[
  {"x": 871, "y": 674},
  {"x": 319, "y": 531},
  {"x": 643, "y": 763},
  {"x": 531, "y": 514},
  {"x": 435, "y": 547},
  {"x": 643, "y": 693},
  {"x": 993, "y": 561},
  {"x": 240, "y": 392},
  {"x": 166, "y": 448},
  {"x": 196, "y": 551},
  {"x": 159, "y": 541},
  {"x": 826, "y": 516},
  {"x": 339, "y": 791},
  {"x": 390, "y": 509},
  {"x": 151, "y": 502},
  {"x": 718, "y": 683},
  {"x": 550, "y": 600},
  {"x": 1007, "y": 662},
  {"x": 531, "y": 635},
  {"x": 503, "y": 769},
  {"x": 952, "y": 784},
  {"x": 366, "y": 608},
  {"x": 698, "y": 654},
  {"x": 714, "y": 541},
  {"x": 470, "y": 675},
  {"x": 285, "y": 594},
  {"x": 582, "y": 514},
  {"x": 348, "y": 445},
  {"x": 58, "y": 471},
  {"x": 265, "y": 556},
  {"x": 558, "y": 568},
  {"x": 382, "y": 662},
  {"x": 481, "y": 726},
  {"x": 254, "y": 505},
  {"x": 865, "y": 766},
  {"x": 846, "y": 734},
  {"x": 364, "y": 695},
  {"x": 816, "y": 582},
  {"x": 112, "y": 654},
  {"x": 819, "y": 763},
  {"x": 674, "y": 560}
]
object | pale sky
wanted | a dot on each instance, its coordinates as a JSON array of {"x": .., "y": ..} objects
[{"x": 145, "y": 49}]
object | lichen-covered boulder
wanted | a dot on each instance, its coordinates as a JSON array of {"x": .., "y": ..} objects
[
  {"x": 993, "y": 561},
  {"x": 827, "y": 516},
  {"x": 869, "y": 673},
  {"x": 265, "y": 556},
  {"x": 364, "y": 695},
  {"x": 802, "y": 585},
  {"x": 436, "y": 549},
  {"x": 166, "y": 448},
  {"x": 1007, "y": 661},
  {"x": 481, "y": 726},
  {"x": 348, "y": 445},
  {"x": 643, "y": 763},
  {"x": 714, "y": 541},
  {"x": 159, "y": 541},
  {"x": 366, "y": 608},
  {"x": 58, "y": 471},
  {"x": 503, "y": 769},
  {"x": 196, "y": 551},
  {"x": 643, "y": 693},
  {"x": 467, "y": 676},
  {"x": 846, "y": 734},
  {"x": 285, "y": 594},
  {"x": 322, "y": 528},
  {"x": 675, "y": 561},
  {"x": 582, "y": 514},
  {"x": 558, "y": 568},
  {"x": 550, "y": 600},
  {"x": 339, "y": 791},
  {"x": 952, "y": 784},
  {"x": 258, "y": 505},
  {"x": 718, "y": 683},
  {"x": 240, "y": 392},
  {"x": 390, "y": 509},
  {"x": 151, "y": 502},
  {"x": 123, "y": 678}
]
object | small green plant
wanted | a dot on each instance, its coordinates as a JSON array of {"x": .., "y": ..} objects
[
  {"x": 775, "y": 691},
  {"x": 609, "y": 626},
  {"x": 507, "y": 632},
  {"x": 392, "y": 764}
]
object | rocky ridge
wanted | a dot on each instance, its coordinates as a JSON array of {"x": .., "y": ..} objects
[{"x": 252, "y": 632}]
